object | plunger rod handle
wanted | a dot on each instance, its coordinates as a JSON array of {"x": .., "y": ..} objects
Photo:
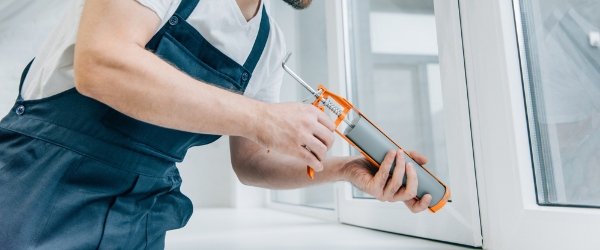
[{"x": 289, "y": 71}]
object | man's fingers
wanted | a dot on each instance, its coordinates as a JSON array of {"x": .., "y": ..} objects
[
  {"x": 311, "y": 159},
  {"x": 325, "y": 136},
  {"x": 326, "y": 121},
  {"x": 420, "y": 205},
  {"x": 412, "y": 183},
  {"x": 419, "y": 158},
  {"x": 409, "y": 204},
  {"x": 395, "y": 182},
  {"x": 317, "y": 148},
  {"x": 382, "y": 175},
  {"x": 386, "y": 165}
]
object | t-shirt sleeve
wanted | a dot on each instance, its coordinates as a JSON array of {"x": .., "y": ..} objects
[
  {"x": 160, "y": 7},
  {"x": 270, "y": 89}
]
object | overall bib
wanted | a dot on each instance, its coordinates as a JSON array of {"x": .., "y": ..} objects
[{"x": 77, "y": 174}]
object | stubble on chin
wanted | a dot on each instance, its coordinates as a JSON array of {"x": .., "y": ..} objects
[{"x": 298, "y": 4}]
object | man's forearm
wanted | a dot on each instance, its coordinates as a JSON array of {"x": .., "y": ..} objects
[
  {"x": 278, "y": 171},
  {"x": 259, "y": 167},
  {"x": 139, "y": 84}
]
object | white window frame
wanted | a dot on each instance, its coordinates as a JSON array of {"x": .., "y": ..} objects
[
  {"x": 315, "y": 212},
  {"x": 511, "y": 217},
  {"x": 458, "y": 222}
]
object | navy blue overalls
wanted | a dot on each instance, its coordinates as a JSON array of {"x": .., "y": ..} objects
[{"x": 77, "y": 174}]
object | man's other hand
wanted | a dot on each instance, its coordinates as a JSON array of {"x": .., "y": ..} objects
[{"x": 378, "y": 183}]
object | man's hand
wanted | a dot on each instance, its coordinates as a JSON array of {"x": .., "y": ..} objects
[
  {"x": 377, "y": 182},
  {"x": 294, "y": 129}
]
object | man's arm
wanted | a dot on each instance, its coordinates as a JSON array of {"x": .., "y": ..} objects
[
  {"x": 113, "y": 67},
  {"x": 256, "y": 166}
]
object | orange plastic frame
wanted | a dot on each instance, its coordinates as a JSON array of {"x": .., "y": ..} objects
[{"x": 347, "y": 106}]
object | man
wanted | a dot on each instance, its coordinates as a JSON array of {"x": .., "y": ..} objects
[{"x": 88, "y": 152}]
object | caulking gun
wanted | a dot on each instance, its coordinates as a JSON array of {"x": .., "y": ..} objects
[{"x": 372, "y": 143}]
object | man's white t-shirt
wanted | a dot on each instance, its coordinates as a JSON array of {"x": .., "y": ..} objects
[{"x": 221, "y": 22}]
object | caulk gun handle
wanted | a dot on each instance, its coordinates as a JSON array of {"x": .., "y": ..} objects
[{"x": 309, "y": 171}]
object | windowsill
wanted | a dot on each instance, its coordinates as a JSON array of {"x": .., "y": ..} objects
[{"x": 261, "y": 228}]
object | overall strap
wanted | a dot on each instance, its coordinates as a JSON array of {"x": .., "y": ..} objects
[
  {"x": 183, "y": 11},
  {"x": 23, "y": 75},
  {"x": 259, "y": 43},
  {"x": 186, "y": 7}
]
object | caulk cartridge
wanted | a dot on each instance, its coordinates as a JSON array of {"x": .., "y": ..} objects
[{"x": 371, "y": 141}]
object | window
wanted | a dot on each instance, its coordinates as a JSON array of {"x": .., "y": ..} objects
[
  {"x": 562, "y": 51},
  {"x": 513, "y": 100},
  {"x": 397, "y": 76},
  {"x": 384, "y": 56},
  {"x": 415, "y": 90}
]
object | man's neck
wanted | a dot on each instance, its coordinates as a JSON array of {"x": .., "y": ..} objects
[{"x": 249, "y": 8}]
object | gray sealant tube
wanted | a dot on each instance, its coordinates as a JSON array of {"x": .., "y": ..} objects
[{"x": 376, "y": 145}]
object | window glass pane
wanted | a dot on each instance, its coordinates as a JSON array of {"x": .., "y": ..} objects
[
  {"x": 562, "y": 65},
  {"x": 395, "y": 75},
  {"x": 305, "y": 36}
]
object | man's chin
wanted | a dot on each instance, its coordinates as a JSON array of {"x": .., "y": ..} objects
[{"x": 299, "y": 4}]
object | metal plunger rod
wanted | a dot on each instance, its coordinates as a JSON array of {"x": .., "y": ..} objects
[
  {"x": 289, "y": 71},
  {"x": 316, "y": 94}
]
